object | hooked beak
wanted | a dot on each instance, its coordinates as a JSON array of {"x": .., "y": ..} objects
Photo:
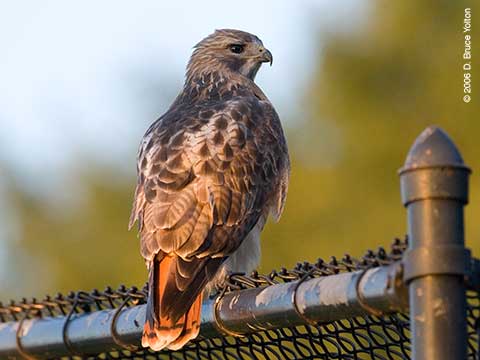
[{"x": 266, "y": 56}]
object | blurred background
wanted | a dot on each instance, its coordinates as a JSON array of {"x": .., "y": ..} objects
[{"x": 354, "y": 83}]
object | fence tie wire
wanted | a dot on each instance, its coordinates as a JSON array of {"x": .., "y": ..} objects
[
  {"x": 361, "y": 298},
  {"x": 65, "y": 338},
  {"x": 218, "y": 320},
  {"x": 294, "y": 299},
  {"x": 113, "y": 328},
  {"x": 18, "y": 337}
]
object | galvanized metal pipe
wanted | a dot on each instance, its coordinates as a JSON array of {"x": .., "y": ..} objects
[
  {"x": 317, "y": 300},
  {"x": 434, "y": 183}
]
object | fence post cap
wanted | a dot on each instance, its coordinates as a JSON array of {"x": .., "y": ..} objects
[
  {"x": 434, "y": 169},
  {"x": 433, "y": 147}
]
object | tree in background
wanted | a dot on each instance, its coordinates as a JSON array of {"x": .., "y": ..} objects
[
  {"x": 82, "y": 246},
  {"x": 374, "y": 91}
]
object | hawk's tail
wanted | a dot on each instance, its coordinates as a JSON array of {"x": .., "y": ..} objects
[{"x": 160, "y": 331}]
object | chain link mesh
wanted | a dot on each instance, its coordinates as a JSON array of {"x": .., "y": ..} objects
[{"x": 368, "y": 337}]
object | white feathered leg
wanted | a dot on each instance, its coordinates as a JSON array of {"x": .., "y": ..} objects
[{"x": 245, "y": 259}]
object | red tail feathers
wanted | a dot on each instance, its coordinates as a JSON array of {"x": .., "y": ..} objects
[{"x": 160, "y": 331}]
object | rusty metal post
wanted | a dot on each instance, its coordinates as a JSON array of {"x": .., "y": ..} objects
[{"x": 434, "y": 185}]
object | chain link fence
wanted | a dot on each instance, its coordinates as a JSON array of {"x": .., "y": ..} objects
[
  {"x": 348, "y": 307},
  {"x": 368, "y": 337}
]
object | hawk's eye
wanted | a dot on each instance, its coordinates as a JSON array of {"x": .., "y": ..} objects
[{"x": 237, "y": 48}]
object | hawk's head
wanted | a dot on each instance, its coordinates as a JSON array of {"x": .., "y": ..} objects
[{"x": 233, "y": 50}]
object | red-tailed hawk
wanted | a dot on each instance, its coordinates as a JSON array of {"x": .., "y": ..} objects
[{"x": 210, "y": 171}]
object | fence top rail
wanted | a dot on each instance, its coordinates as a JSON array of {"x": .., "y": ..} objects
[
  {"x": 68, "y": 314},
  {"x": 55, "y": 326},
  {"x": 85, "y": 302}
]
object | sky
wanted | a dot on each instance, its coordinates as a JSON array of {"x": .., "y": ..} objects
[
  {"x": 84, "y": 79},
  {"x": 76, "y": 74}
]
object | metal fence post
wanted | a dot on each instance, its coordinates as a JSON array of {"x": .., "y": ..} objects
[{"x": 434, "y": 185}]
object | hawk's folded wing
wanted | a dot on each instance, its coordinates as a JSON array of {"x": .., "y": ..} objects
[{"x": 205, "y": 177}]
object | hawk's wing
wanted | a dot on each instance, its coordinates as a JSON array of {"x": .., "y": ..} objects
[{"x": 205, "y": 176}]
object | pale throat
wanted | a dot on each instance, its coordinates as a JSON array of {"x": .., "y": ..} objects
[{"x": 250, "y": 69}]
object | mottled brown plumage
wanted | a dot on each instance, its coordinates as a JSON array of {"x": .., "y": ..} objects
[{"x": 210, "y": 171}]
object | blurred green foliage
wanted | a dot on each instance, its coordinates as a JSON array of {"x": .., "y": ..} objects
[
  {"x": 82, "y": 246},
  {"x": 372, "y": 93},
  {"x": 375, "y": 90}
]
